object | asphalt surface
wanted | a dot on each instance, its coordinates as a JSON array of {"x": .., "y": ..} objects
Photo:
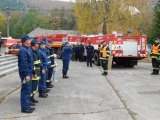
[{"x": 125, "y": 94}]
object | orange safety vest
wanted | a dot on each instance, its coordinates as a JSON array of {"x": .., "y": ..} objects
[
  {"x": 104, "y": 53},
  {"x": 155, "y": 49}
]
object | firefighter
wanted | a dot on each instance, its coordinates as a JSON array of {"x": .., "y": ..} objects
[
  {"x": 100, "y": 52},
  {"x": 77, "y": 52},
  {"x": 90, "y": 50},
  {"x": 73, "y": 53},
  {"x": 155, "y": 54},
  {"x": 26, "y": 70},
  {"x": 42, "y": 81},
  {"x": 104, "y": 57},
  {"x": 34, "y": 53},
  {"x": 81, "y": 51},
  {"x": 50, "y": 69},
  {"x": 66, "y": 57}
]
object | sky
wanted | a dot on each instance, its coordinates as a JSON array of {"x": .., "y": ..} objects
[{"x": 65, "y": 0}]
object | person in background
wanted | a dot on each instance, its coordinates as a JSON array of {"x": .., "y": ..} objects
[
  {"x": 76, "y": 49},
  {"x": 43, "y": 59},
  {"x": 90, "y": 50},
  {"x": 50, "y": 69},
  {"x": 104, "y": 57},
  {"x": 100, "y": 52},
  {"x": 18, "y": 45},
  {"x": 37, "y": 64},
  {"x": 26, "y": 71},
  {"x": 73, "y": 53},
  {"x": 155, "y": 54},
  {"x": 55, "y": 69},
  {"x": 81, "y": 51},
  {"x": 66, "y": 57}
]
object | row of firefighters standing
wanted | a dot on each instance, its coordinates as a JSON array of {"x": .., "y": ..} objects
[
  {"x": 35, "y": 63},
  {"x": 155, "y": 57}
]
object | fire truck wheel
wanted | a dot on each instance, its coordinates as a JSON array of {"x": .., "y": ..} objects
[
  {"x": 59, "y": 54},
  {"x": 96, "y": 59}
]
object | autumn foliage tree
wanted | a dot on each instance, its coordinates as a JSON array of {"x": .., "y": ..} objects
[{"x": 120, "y": 15}]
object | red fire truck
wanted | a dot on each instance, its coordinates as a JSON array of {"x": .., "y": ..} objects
[
  {"x": 125, "y": 50},
  {"x": 59, "y": 39}
]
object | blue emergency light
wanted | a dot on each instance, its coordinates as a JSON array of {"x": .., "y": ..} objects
[{"x": 129, "y": 31}]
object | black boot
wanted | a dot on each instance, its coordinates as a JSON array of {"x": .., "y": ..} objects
[
  {"x": 42, "y": 94},
  {"x": 103, "y": 73},
  {"x": 64, "y": 75},
  {"x": 157, "y": 72},
  {"x": 49, "y": 85},
  {"x": 33, "y": 100},
  {"x": 32, "y": 104},
  {"x": 46, "y": 91},
  {"x": 154, "y": 71}
]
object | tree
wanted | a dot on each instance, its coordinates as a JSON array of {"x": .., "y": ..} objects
[
  {"x": 3, "y": 24},
  {"x": 155, "y": 29},
  {"x": 119, "y": 15}
]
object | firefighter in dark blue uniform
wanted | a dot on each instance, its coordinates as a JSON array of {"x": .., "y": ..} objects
[
  {"x": 90, "y": 50},
  {"x": 66, "y": 57},
  {"x": 76, "y": 49},
  {"x": 48, "y": 64},
  {"x": 26, "y": 70},
  {"x": 81, "y": 51},
  {"x": 50, "y": 69},
  {"x": 43, "y": 59},
  {"x": 34, "y": 53}
]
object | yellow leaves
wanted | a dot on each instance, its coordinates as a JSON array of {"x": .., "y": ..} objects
[
  {"x": 122, "y": 15},
  {"x": 2, "y": 17}
]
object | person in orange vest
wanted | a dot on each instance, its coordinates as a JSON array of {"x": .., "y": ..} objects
[
  {"x": 155, "y": 54},
  {"x": 100, "y": 52},
  {"x": 104, "y": 57}
]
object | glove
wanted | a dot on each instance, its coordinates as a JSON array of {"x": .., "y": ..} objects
[{"x": 107, "y": 57}]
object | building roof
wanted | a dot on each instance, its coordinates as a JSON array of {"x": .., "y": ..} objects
[{"x": 41, "y": 31}]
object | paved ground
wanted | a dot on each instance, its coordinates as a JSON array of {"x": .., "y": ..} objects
[{"x": 126, "y": 94}]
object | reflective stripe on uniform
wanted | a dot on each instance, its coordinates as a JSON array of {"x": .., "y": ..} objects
[
  {"x": 49, "y": 62},
  {"x": 48, "y": 80},
  {"x": 37, "y": 78},
  {"x": 31, "y": 95},
  {"x": 52, "y": 55},
  {"x": 105, "y": 70},
  {"x": 37, "y": 62},
  {"x": 153, "y": 56},
  {"x": 34, "y": 92},
  {"x": 53, "y": 65},
  {"x": 102, "y": 58}
]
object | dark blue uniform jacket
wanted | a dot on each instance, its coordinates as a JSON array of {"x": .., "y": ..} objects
[{"x": 25, "y": 61}]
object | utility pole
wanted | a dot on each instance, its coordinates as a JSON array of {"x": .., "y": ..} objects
[
  {"x": 107, "y": 5},
  {"x": 8, "y": 17}
]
